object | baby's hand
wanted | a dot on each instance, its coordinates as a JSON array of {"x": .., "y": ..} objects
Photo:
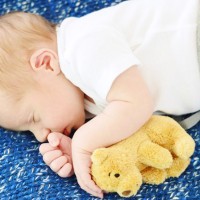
[
  {"x": 57, "y": 154},
  {"x": 82, "y": 168}
]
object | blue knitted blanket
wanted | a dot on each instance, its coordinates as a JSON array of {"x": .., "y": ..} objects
[{"x": 23, "y": 174}]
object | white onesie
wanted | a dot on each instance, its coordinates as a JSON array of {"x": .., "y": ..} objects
[{"x": 158, "y": 36}]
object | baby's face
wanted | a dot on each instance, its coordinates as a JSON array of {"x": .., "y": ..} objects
[{"x": 55, "y": 106}]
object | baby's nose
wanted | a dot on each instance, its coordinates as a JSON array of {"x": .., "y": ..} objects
[{"x": 42, "y": 137}]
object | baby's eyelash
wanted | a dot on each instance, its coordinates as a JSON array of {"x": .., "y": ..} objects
[
  {"x": 33, "y": 119},
  {"x": 30, "y": 118}
]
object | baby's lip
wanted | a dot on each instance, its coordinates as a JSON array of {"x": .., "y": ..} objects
[{"x": 66, "y": 132}]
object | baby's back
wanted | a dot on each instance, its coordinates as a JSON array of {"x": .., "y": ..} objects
[{"x": 162, "y": 35}]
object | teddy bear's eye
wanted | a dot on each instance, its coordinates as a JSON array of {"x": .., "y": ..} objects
[{"x": 115, "y": 175}]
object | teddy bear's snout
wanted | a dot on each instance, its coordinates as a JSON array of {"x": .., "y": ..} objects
[
  {"x": 130, "y": 184},
  {"x": 126, "y": 193}
]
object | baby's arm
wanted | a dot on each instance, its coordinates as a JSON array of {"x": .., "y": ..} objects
[{"x": 130, "y": 106}]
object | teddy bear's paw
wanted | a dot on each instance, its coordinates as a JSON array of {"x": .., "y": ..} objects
[
  {"x": 184, "y": 147},
  {"x": 154, "y": 155},
  {"x": 178, "y": 167},
  {"x": 152, "y": 175}
]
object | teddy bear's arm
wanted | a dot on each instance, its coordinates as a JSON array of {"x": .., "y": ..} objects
[
  {"x": 166, "y": 132},
  {"x": 154, "y": 155}
]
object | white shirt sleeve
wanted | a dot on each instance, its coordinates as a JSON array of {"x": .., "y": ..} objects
[{"x": 100, "y": 57}]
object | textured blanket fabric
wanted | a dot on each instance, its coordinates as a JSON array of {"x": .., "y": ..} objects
[{"x": 23, "y": 174}]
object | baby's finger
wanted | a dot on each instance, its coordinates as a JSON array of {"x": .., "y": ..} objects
[
  {"x": 58, "y": 163},
  {"x": 46, "y": 147},
  {"x": 50, "y": 156},
  {"x": 66, "y": 171},
  {"x": 89, "y": 186},
  {"x": 54, "y": 138}
]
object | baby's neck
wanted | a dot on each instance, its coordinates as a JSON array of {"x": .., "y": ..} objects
[{"x": 89, "y": 98}]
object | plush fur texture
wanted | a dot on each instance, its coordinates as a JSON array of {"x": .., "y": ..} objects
[{"x": 159, "y": 150}]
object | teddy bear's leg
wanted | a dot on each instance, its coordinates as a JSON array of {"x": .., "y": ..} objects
[
  {"x": 153, "y": 176},
  {"x": 184, "y": 147},
  {"x": 178, "y": 167},
  {"x": 153, "y": 155}
]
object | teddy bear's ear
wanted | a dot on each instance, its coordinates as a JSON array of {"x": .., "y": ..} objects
[{"x": 99, "y": 156}]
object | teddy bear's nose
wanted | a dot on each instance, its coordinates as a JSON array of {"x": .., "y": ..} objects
[{"x": 126, "y": 193}]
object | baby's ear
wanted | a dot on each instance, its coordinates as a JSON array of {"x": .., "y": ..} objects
[{"x": 45, "y": 59}]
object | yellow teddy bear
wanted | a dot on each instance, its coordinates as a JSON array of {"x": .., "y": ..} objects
[{"x": 159, "y": 150}]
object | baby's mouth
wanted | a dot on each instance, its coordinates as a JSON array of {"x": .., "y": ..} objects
[{"x": 66, "y": 131}]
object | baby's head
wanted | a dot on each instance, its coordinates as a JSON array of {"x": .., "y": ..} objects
[
  {"x": 34, "y": 93},
  {"x": 21, "y": 34}
]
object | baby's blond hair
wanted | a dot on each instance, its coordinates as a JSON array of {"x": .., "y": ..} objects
[{"x": 20, "y": 34}]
